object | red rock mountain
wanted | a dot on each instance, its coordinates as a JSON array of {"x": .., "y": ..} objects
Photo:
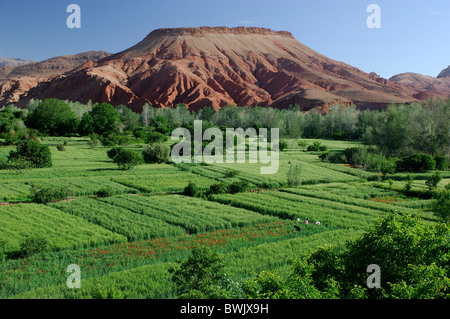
[
  {"x": 426, "y": 86},
  {"x": 16, "y": 80},
  {"x": 218, "y": 66}
]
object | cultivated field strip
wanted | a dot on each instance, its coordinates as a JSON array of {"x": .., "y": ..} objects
[
  {"x": 119, "y": 220},
  {"x": 192, "y": 214},
  {"x": 285, "y": 206},
  {"x": 62, "y": 230}
]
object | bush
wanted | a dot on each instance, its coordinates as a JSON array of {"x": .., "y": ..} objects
[
  {"x": 231, "y": 173},
  {"x": 2, "y": 251},
  {"x": 191, "y": 190},
  {"x": 441, "y": 204},
  {"x": 155, "y": 137},
  {"x": 336, "y": 158},
  {"x": 105, "y": 192},
  {"x": 156, "y": 153},
  {"x": 433, "y": 181},
  {"x": 34, "y": 152},
  {"x": 349, "y": 154},
  {"x": 316, "y": 147},
  {"x": 441, "y": 162},
  {"x": 43, "y": 194},
  {"x": 293, "y": 175},
  {"x": 127, "y": 159},
  {"x": 238, "y": 187},
  {"x": 416, "y": 163},
  {"x": 60, "y": 147},
  {"x": 113, "y": 152},
  {"x": 283, "y": 145},
  {"x": 220, "y": 188},
  {"x": 33, "y": 245}
]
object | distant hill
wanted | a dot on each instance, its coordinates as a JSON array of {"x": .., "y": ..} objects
[
  {"x": 13, "y": 62},
  {"x": 16, "y": 81}
]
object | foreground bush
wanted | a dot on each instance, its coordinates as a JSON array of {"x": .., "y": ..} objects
[{"x": 33, "y": 245}]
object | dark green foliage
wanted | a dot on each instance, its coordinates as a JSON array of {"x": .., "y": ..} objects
[
  {"x": 416, "y": 163},
  {"x": 45, "y": 194},
  {"x": 317, "y": 147},
  {"x": 156, "y": 153},
  {"x": 3, "y": 249},
  {"x": 294, "y": 174},
  {"x": 105, "y": 119},
  {"x": 229, "y": 173},
  {"x": 60, "y": 147},
  {"x": 160, "y": 125},
  {"x": 441, "y": 162},
  {"x": 336, "y": 158},
  {"x": 441, "y": 204},
  {"x": 238, "y": 187},
  {"x": 219, "y": 188},
  {"x": 105, "y": 192},
  {"x": 33, "y": 245},
  {"x": 52, "y": 117},
  {"x": 349, "y": 154},
  {"x": 113, "y": 152},
  {"x": 155, "y": 137},
  {"x": 283, "y": 145},
  {"x": 191, "y": 190},
  {"x": 433, "y": 181},
  {"x": 34, "y": 152},
  {"x": 127, "y": 159},
  {"x": 201, "y": 276}
]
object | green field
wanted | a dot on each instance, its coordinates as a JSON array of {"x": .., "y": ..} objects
[{"x": 128, "y": 241}]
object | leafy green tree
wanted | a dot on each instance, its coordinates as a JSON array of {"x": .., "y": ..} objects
[
  {"x": 105, "y": 119},
  {"x": 433, "y": 181},
  {"x": 294, "y": 174},
  {"x": 86, "y": 126},
  {"x": 201, "y": 276},
  {"x": 52, "y": 117}
]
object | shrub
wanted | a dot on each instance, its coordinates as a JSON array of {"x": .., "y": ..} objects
[
  {"x": 156, "y": 153},
  {"x": 127, "y": 159},
  {"x": 33, "y": 245},
  {"x": 441, "y": 162},
  {"x": 220, "y": 188},
  {"x": 231, "y": 173},
  {"x": 94, "y": 141},
  {"x": 191, "y": 190},
  {"x": 43, "y": 194},
  {"x": 105, "y": 192},
  {"x": 416, "y": 163},
  {"x": 19, "y": 164},
  {"x": 238, "y": 187},
  {"x": 60, "y": 147},
  {"x": 155, "y": 137},
  {"x": 283, "y": 145},
  {"x": 433, "y": 181},
  {"x": 293, "y": 175},
  {"x": 336, "y": 158},
  {"x": 349, "y": 154},
  {"x": 34, "y": 152},
  {"x": 441, "y": 204},
  {"x": 3, "y": 248},
  {"x": 316, "y": 147},
  {"x": 113, "y": 152}
]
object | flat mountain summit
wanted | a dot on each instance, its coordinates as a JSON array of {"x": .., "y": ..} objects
[{"x": 218, "y": 66}]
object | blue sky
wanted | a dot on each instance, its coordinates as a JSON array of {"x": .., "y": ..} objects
[{"x": 414, "y": 35}]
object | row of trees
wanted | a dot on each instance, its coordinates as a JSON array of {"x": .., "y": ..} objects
[{"x": 397, "y": 131}]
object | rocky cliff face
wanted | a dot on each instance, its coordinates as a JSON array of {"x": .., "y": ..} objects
[
  {"x": 16, "y": 81},
  {"x": 218, "y": 66}
]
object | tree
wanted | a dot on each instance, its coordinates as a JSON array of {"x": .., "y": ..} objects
[
  {"x": 52, "y": 117},
  {"x": 127, "y": 159},
  {"x": 105, "y": 119},
  {"x": 201, "y": 276},
  {"x": 33, "y": 151},
  {"x": 433, "y": 181},
  {"x": 293, "y": 175}
]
